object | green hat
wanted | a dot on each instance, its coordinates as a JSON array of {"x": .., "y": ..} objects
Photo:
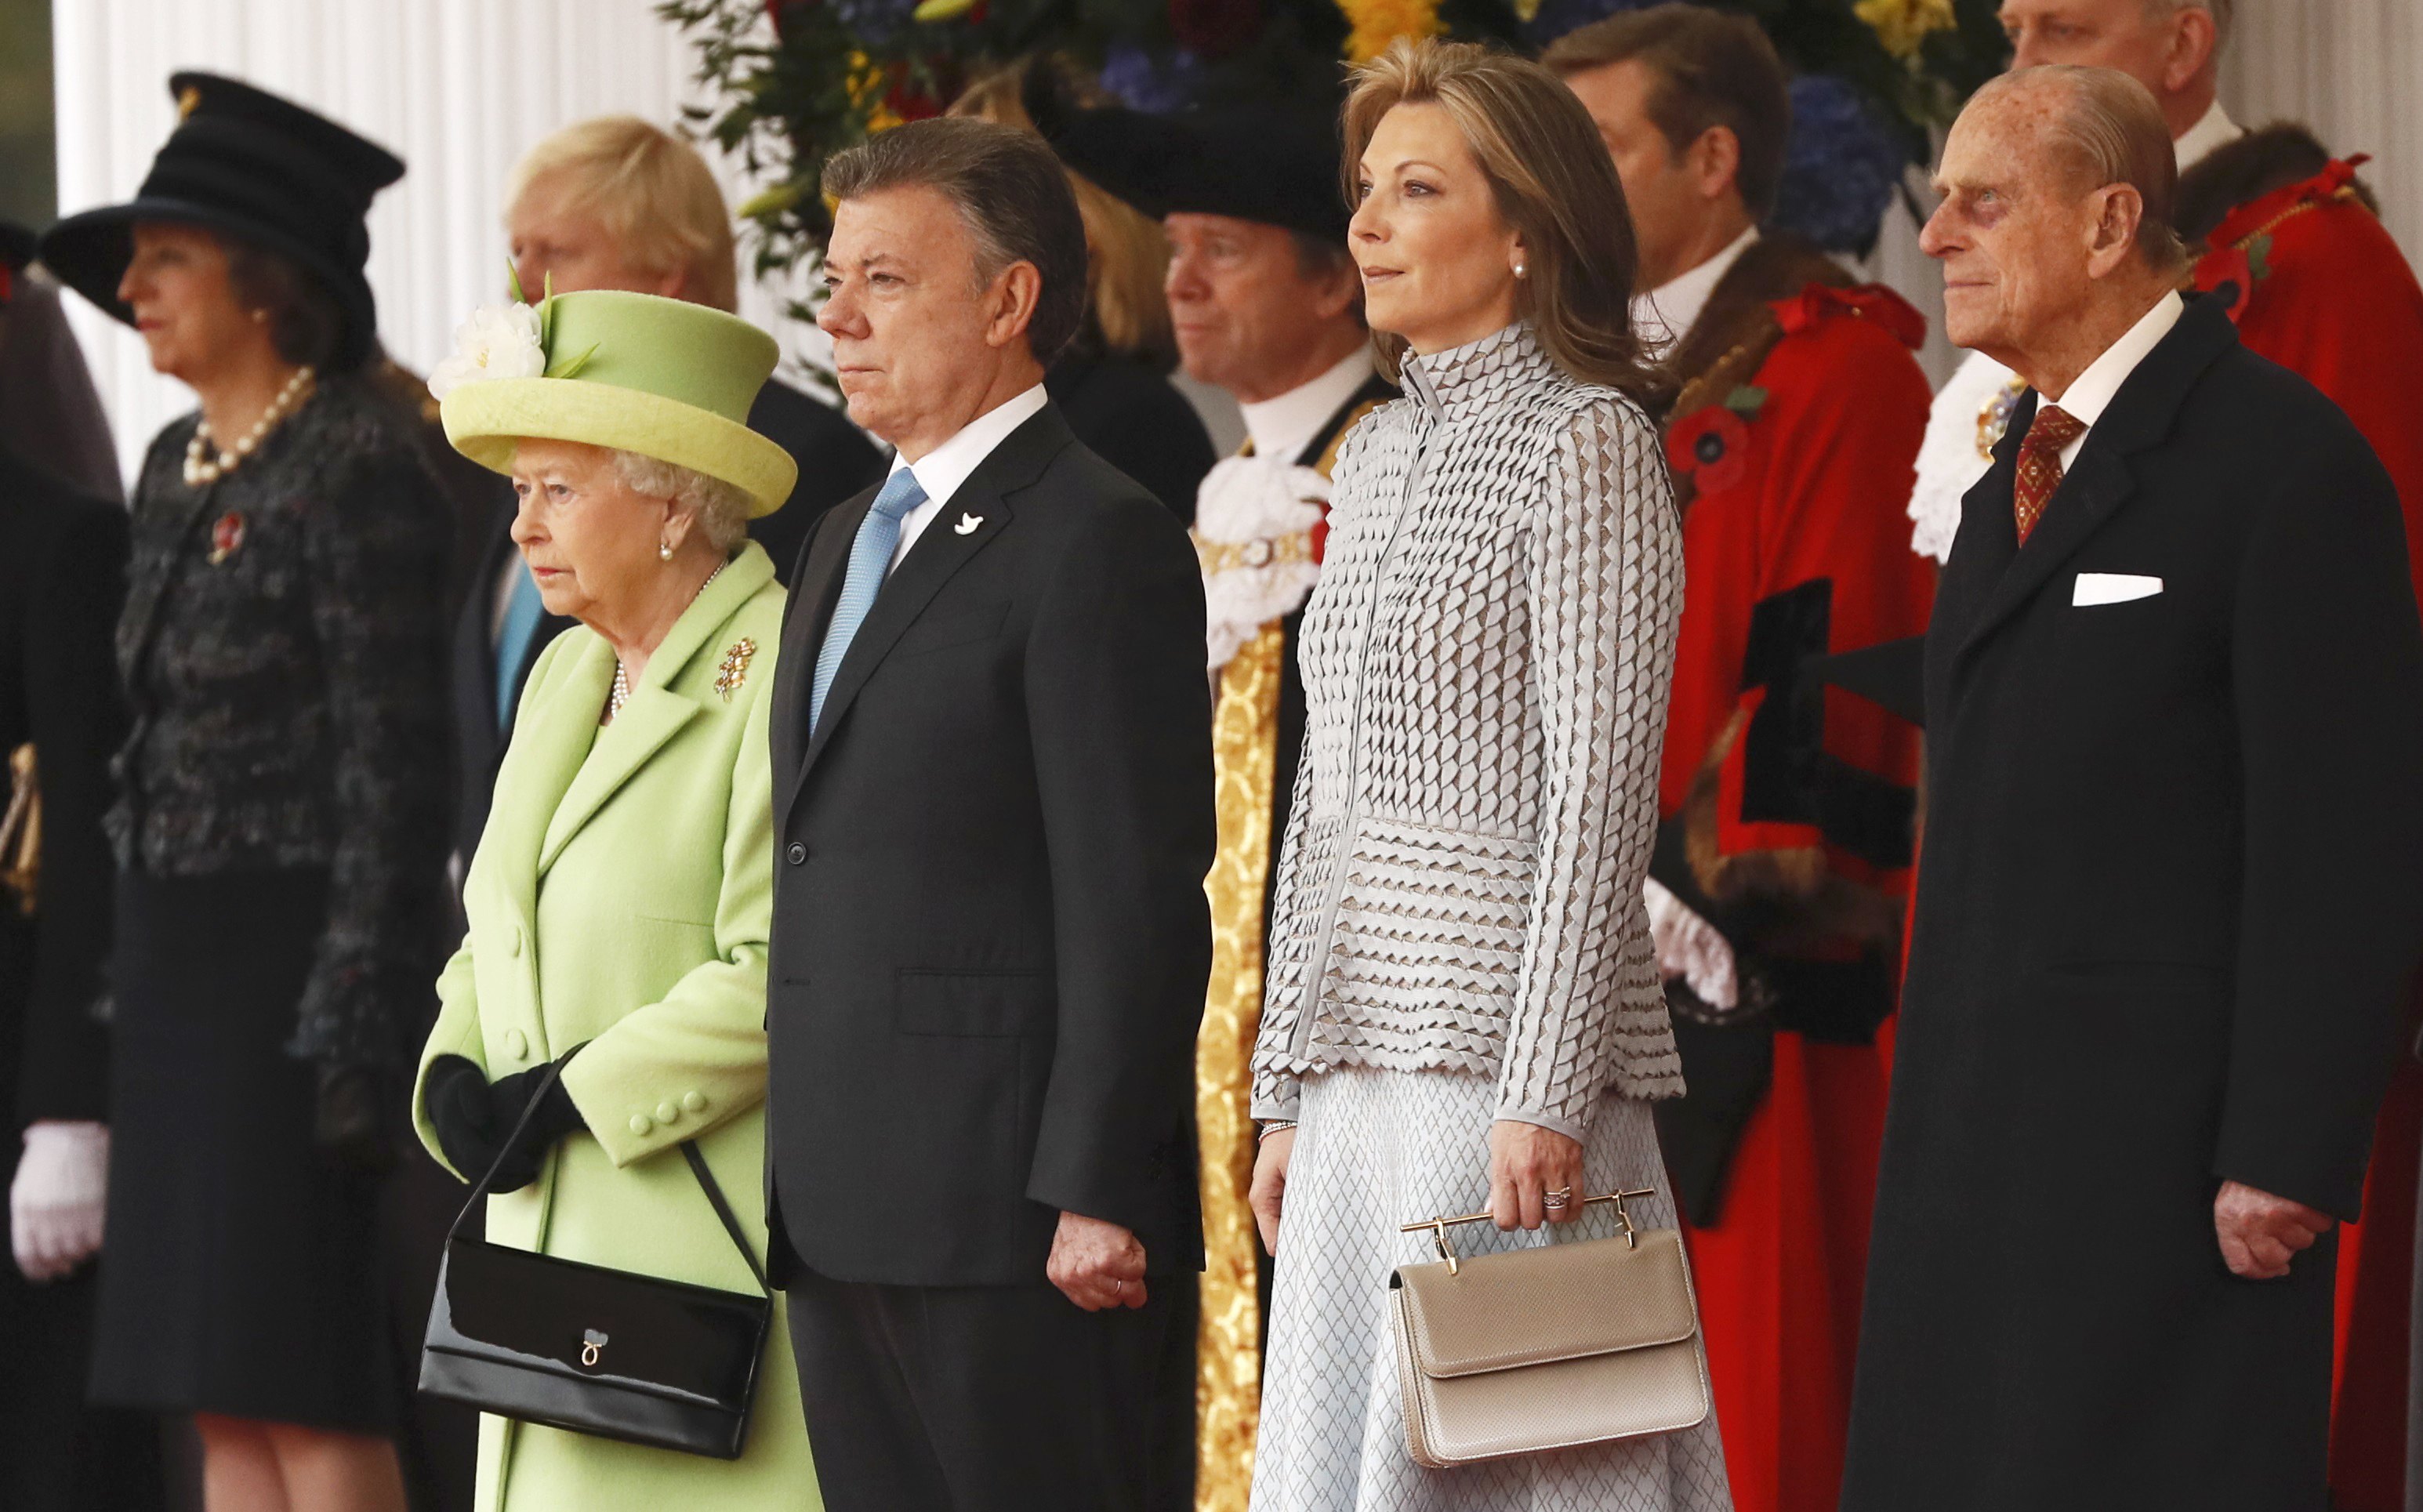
[{"x": 637, "y": 372}]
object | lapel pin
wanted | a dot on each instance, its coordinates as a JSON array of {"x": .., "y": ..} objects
[
  {"x": 968, "y": 524},
  {"x": 734, "y": 670},
  {"x": 226, "y": 537}
]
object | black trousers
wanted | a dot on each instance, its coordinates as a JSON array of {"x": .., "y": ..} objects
[{"x": 996, "y": 1398}]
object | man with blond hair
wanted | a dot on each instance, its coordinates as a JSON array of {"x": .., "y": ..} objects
[
  {"x": 617, "y": 203},
  {"x": 2154, "y": 986}
]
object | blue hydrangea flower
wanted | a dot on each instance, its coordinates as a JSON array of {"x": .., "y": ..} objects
[
  {"x": 1157, "y": 86},
  {"x": 1841, "y": 167},
  {"x": 875, "y": 23}
]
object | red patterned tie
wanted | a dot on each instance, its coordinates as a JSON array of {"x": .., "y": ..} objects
[{"x": 2040, "y": 463}]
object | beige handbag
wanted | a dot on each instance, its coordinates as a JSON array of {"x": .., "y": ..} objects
[{"x": 1547, "y": 1348}]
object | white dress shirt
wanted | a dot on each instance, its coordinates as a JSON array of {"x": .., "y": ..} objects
[
  {"x": 1666, "y": 313},
  {"x": 2197, "y": 142},
  {"x": 945, "y": 470},
  {"x": 1281, "y": 427},
  {"x": 2090, "y": 395}
]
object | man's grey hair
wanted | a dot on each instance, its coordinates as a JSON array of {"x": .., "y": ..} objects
[
  {"x": 2110, "y": 131},
  {"x": 1011, "y": 194},
  {"x": 721, "y": 509}
]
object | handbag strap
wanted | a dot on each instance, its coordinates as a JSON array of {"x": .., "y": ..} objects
[
  {"x": 723, "y": 1210},
  {"x": 689, "y": 1152}
]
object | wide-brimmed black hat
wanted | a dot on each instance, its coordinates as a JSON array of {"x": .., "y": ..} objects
[
  {"x": 1275, "y": 163},
  {"x": 260, "y": 168}
]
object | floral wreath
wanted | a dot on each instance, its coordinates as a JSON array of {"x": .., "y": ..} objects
[{"x": 797, "y": 81}]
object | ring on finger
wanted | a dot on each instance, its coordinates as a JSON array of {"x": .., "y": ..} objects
[{"x": 1558, "y": 1200}]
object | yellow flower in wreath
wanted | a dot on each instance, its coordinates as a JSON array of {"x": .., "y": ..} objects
[
  {"x": 1902, "y": 26},
  {"x": 1378, "y": 22}
]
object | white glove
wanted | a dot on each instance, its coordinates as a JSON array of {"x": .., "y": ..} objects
[
  {"x": 55, "y": 1204},
  {"x": 1689, "y": 947}
]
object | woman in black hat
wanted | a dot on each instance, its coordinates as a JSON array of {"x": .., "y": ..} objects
[{"x": 280, "y": 824}]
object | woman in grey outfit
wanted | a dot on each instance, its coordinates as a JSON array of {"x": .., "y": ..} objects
[{"x": 1463, "y": 1010}]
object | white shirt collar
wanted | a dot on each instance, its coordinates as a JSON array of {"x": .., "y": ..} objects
[
  {"x": 2093, "y": 391},
  {"x": 2197, "y": 142},
  {"x": 1281, "y": 427},
  {"x": 1667, "y": 312},
  {"x": 945, "y": 470}
]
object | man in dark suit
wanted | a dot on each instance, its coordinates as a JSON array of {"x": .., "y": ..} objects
[
  {"x": 62, "y": 580},
  {"x": 992, "y": 747},
  {"x": 617, "y": 203},
  {"x": 2171, "y": 895}
]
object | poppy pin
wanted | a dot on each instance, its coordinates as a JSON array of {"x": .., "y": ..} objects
[
  {"x": 1711, "y": 447},
  {"x": 226, "y": 537}
]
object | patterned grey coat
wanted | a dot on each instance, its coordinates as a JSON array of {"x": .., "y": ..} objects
[
  {"x": 284, "y": 652},
  {"x": 1487, "y": 662}
]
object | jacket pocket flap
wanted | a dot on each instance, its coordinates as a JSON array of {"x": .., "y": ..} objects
[
  {"x": 1556, "y": 1301},
  {"x": 973, "y": 1002}
]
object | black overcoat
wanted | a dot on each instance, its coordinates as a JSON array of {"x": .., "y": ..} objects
[
  {"x": 991, "y": 938},
  {"x": 2170, "y": 902}
]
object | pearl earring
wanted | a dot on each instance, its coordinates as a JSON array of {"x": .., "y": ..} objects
[
  {"x": 664, "y": 551},
  {"x": 1522, "y": 270},
  {"x": 260, "y": 317}
]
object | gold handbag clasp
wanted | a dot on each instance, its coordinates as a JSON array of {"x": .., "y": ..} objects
[{"x": 1438, "y": 1226}]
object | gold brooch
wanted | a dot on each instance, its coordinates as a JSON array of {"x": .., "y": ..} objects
[{"x": 734, "y": 670}]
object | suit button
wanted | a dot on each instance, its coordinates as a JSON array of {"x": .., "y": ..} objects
[
  {"x": 694, "y": 1101},
  {"x": 798, "y": 854},
  {"x": 668, "y": 1113},
  {"x": 641, "y": 1126},
  {"x": 513, "y": 942},
  {"x": 516, "y": 1044}
]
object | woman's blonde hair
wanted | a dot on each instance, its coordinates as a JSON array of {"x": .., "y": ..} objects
[
  {"x": 1127, "y": 313},
  {"x": 1555, "y": 184},
  {"x": 650, "y": 192}
]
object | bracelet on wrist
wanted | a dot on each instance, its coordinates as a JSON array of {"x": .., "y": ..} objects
[{"x": 1271, "y": 1127}]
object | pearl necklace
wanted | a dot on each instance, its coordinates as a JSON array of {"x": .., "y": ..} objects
[
  {"x": 619, "y": 694},
  {"x": 205, "y": 464}
]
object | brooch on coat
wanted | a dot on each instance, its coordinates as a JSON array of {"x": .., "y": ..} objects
[
  {"x": 734, "y": 670},
  {"x": 226, "y": 537}
]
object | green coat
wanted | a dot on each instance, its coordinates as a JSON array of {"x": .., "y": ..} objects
[{"x": 620, "y": 897}]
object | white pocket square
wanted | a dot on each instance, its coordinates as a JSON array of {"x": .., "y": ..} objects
[{"x": 2113, "y": 588}]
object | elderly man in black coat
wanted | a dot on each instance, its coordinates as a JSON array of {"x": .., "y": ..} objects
[{"x": 2171, "y": 894}]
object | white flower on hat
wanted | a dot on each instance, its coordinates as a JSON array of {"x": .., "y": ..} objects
[{"x": 497, "y": 341}]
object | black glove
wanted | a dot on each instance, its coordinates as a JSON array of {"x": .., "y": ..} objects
[{"x": 473, "y": 1117}]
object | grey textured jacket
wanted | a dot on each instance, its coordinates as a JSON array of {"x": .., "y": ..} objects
[{"x": 1486, "y": 661}]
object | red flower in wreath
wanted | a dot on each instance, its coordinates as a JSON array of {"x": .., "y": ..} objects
[{"x": 1711, "y": 447}]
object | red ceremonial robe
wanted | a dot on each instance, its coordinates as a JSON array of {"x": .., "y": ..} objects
[
  {"x": 2323, "y": 290},
  {"x": 1788, "y": 810}
]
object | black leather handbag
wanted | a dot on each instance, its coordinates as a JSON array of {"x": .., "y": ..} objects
[{"x": 593, "y": 1350}]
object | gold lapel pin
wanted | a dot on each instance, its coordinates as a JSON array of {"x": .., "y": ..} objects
[{"x": 734, "y": 670}]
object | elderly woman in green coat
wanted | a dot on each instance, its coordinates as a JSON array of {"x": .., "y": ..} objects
[{"x": 618, "y": 902}]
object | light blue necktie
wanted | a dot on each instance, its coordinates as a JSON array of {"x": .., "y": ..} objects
[
  {"x": 870, "y": 560},
  {"x": 522, "y": 611}
]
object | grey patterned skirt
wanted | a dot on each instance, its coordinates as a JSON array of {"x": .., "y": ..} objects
[{"x": 1377, "y": 1149}]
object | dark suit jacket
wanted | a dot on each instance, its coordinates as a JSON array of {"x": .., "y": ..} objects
[
  {"x": 2170, "y": 904},
  {"x": 1129, "y": 415},
  {"x": 990, "y": 940},
  {"x": 62, "y": 582},
  {"x": 835, "y": 461}
]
